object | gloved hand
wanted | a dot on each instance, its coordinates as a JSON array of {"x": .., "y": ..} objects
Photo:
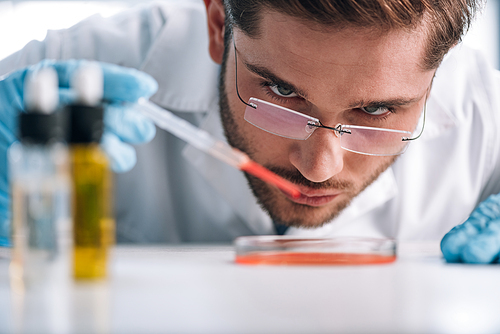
[
  {"x": 123, "y": 125},
  {"x": 478, "y": 239}
]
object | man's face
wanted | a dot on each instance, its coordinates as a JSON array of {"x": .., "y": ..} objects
[{"x": 350, "y": 76}]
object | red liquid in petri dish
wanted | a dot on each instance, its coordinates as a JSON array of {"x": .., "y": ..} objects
[
  {"x": 290, "y": 258},
  {"x": 289, "y": 250}
]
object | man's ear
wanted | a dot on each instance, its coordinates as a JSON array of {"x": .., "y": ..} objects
[{"x": 216, "y": 26}]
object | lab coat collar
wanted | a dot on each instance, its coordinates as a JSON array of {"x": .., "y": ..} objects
[{"x": 180, "y": 62}]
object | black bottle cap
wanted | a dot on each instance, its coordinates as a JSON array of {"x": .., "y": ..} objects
[
  {"x": 38, "y": 128},
  {"x": 86, "y": 124}
]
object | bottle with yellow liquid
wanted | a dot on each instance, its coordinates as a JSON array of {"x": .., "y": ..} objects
[{"x": 93, "y": 222}]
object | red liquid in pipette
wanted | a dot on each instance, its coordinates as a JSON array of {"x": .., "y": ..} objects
[{"x": 253, "y": 168}]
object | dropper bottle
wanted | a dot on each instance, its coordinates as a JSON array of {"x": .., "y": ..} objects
[
  {"x": 93, "y": 222},
  {"x": 38, "y": 167}
]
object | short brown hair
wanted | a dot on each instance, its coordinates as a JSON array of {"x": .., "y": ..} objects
[{"x": 448, "y": 19}]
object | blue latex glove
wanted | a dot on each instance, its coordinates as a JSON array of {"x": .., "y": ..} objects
[
  {"x": 123, "y": 125},
  {"x": 478, "y": 239}
]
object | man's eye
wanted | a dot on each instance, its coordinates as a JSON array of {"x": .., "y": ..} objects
[
  {"x": 375, "y": 110},
  {"x": 282, "y": 91}
]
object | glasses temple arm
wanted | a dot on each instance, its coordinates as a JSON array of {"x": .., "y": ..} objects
[
  {"x": 423, "y": 126},
  {"x": 236, "y": 76}
]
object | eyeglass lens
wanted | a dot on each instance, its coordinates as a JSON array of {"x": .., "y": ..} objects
[
  {"x": 288, "y": 123},
  {"x": 279, "y": 120},
  {"x": 373, "y": 141}
]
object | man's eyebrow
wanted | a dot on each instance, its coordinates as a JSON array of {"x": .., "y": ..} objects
[
  {"x": 395, "y": 102},
  {"x": 270, "y": 76},
  {"x": 275, "y": 79}
]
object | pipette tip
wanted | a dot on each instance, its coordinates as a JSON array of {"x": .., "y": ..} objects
[{"x": 253, "y": 168}]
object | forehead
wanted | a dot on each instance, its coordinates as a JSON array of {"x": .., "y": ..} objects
[{"x": 338, "y": 61}]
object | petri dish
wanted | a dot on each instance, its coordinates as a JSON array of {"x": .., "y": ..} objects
[{"x": 289, "y": 250}]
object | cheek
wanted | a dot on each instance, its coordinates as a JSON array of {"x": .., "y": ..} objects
[
  {"x": 361, "y": 167},
  {"x": 266, "y": 148},
  {"x": 262, "y": 146},
  {"x": 356, "y": 164}
]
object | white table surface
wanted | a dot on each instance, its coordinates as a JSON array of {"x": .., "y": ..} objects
[{"x": 199, "y": 289}]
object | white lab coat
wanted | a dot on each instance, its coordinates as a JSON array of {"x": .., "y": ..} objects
[{"x": 176, "y": 193}]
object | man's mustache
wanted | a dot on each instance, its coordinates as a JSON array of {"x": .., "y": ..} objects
[{"x": 296, "y": 177}]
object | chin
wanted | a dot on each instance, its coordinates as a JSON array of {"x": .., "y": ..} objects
[{"x": 289, "y": 213}]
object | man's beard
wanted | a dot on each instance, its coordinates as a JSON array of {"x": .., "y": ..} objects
[
  {"x": 269, "y": 198},
  {"x": 296, "y": 215}
]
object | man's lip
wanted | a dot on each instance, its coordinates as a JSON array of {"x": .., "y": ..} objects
[
  {"x": 319, "y": 192},
  {"x": 314, "y": 197}
]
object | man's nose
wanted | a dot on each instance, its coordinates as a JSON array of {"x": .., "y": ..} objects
[{"x": 318, "y": 158}]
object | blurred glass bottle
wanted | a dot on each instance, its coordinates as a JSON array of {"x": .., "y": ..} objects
[
  {"x": 93, "y": 222},
  {"x": 38, "y": 167}
]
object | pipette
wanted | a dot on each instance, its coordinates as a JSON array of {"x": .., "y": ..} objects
[{"x": 203, "y": 141}]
